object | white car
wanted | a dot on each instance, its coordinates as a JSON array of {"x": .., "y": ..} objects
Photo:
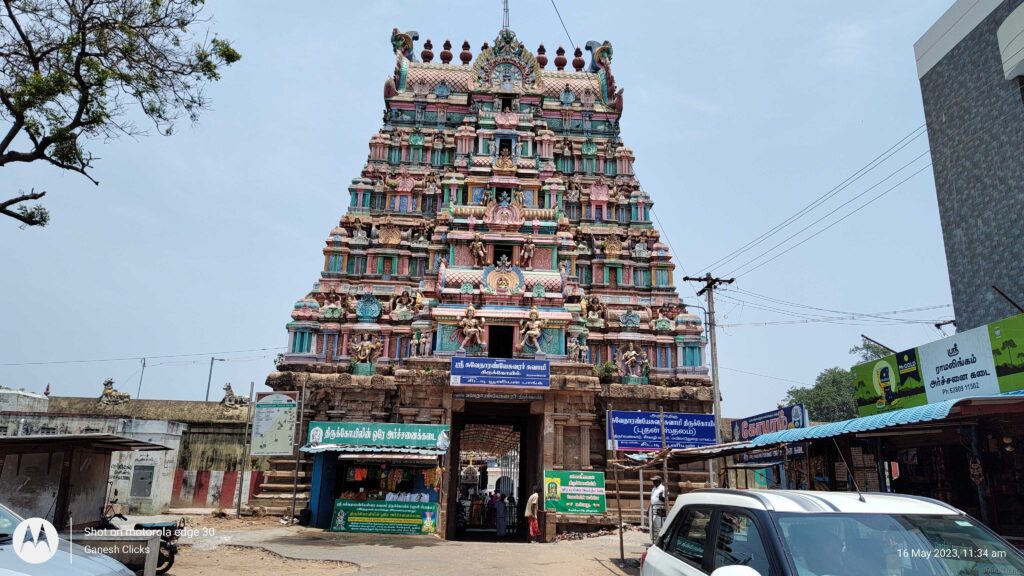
[
  {"x": 802, "y": 533},
  {"x": 69, "y": 560}
]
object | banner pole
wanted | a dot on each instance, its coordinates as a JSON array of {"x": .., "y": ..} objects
[
  {"x": 246, "y": 451},
  {"x": 298, "y": 453},
  {"x": 618, "y": 481},
  {"x": 664, "y": 461}
]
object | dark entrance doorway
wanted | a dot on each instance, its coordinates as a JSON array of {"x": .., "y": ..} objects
[
  {"x": 496, "y": 447},
  {"x": 499, "y": 341}
]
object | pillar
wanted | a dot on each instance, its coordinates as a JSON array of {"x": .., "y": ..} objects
[
  {"x": 559, "y": 421},
  {"x": 585, "y": 442}
]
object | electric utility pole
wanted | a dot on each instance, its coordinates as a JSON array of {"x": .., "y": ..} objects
[{"x": 710, "y": 282}]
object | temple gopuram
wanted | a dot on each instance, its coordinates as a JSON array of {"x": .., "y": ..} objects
[{"x": 497, "y": 219}]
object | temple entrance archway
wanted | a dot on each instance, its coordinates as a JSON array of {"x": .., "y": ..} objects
[{"x": 496, "y": 446}]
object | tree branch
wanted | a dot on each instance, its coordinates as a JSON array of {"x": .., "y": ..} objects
[
  {"x": 26, "y": 216},
  {"x": 24, "y": 37}
]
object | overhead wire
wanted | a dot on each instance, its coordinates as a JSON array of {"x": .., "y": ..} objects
[
  {"x": 151, "y": 357},
  {"x": 863, "y": 171},
  {"x": 677, "y": 258},
  {"x": 837, "y": 209},
  {"x": 997, "y": 78}
]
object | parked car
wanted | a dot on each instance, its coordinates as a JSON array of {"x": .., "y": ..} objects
[
  {"x": 83, "y": 563},
  {"x": 803, "y": 533}
]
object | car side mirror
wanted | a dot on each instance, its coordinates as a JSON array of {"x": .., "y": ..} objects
[{"x": 735, "y": 570}]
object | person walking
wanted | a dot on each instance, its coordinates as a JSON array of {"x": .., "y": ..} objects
[
  {"x": 657, "y": 510},
  {"x": 533, "y": 513}
]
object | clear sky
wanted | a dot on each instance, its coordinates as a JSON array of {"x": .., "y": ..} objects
[{"x": 740, "y": 114}]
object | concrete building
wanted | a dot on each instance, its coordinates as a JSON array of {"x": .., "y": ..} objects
[
  {"x": 970, "y": 64},
  {"x": 205, "y": 441}
]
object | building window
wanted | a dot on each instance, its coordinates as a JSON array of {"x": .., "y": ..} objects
[
  {"x": 378, "y": 201},
  {"x": 691, "y": 356},
  {"x": 47, "y": 429},
  {"x": 661, "y": 277},
  {"x": 334, "y": 263},
  {"x": 142, "y": 481},
  {"x": 356, "y": 265},
  {"x": 642, "y": 278},
  {"x": 623, "y": 214},
  {"x": 428, "y": 205},
  {"x": 417, "y": 267},
  {"x": 572, "y": 212},
  {"x": 302, "y": 341}
]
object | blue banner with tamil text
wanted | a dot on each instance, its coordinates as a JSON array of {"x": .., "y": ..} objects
[
  {"x": 501, "y": 372},
  {"x": 642, "y": 430}
]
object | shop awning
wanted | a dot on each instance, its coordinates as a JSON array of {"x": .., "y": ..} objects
[
  {"x": 387, "y": 457},
  {"x": 96, "y": 441},
  {"x": 377, "y": 452},
  {"x": 905, "y": 417},
  {"x": 715, "y": 451}
]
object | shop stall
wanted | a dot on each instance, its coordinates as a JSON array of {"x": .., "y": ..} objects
[{"x": 376, "y": 477}]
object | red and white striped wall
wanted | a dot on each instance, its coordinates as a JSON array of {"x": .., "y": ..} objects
[{"x": 212, "y": 488}]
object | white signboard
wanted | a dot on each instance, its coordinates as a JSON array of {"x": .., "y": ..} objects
[
  {"x": 959, "y": 366},
  {"x": 273, "y": 424}
]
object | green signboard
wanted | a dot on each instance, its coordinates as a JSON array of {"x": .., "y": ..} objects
[
  {"x": 382, "y": 517},
  {"x": 574, "y": 491},
  {"x": 984, "y": 361},
  {"x": 379, "y": 434}
]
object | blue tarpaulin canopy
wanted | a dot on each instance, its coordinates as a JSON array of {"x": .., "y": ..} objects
[{"x": 915, "y": 415}]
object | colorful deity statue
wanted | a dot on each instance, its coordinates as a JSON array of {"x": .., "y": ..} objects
[
  {"x": 629, "y": 361},
  {"x": 530, "y": 331},
  {"x": 366, "y": 350},
  {"x": 526, "y": 252},
  {"x": 478, "y": 250},
  {"x": 472, "y": 329}
]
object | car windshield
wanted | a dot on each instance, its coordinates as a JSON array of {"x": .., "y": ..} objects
[
  {"x": 7, "y": 523},
  {"x": 894, "y": 545}
]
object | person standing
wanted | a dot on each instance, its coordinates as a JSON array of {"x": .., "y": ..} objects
[
  {"x": 499, "y": 516},
  {"x": 657, "y": 510},
  {"x": 533, "y": 513}
]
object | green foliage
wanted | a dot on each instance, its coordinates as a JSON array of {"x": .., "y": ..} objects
[
  {"x": 606, "y": 372},
  {"x": 830, "y": 399},
  {"x": 75, "y": 71},
  {"x": 36, "y": 215},
  {"x": 868, "y": 351}
]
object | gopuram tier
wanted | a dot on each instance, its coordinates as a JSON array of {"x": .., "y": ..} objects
[{"x": 497, "y": 215}]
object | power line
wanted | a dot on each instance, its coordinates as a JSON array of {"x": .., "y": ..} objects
[
  {"x": 847, "y": 319},
  {"x": 765, "y": 376},
  {"x": 997, "y": 78},
  {"x": 597, "y": 89},
  {"x": 831, "y": 212},
  {"x": 156, "y": 357},
  {"x": 808, "y": 306},
  {"x": 863, "y": 171},
  {"x": 569, "y": 36},
  {"x": 858, "y": 209}
]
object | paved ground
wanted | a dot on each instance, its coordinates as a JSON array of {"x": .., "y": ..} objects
[{"x": 266, "y": 548}]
